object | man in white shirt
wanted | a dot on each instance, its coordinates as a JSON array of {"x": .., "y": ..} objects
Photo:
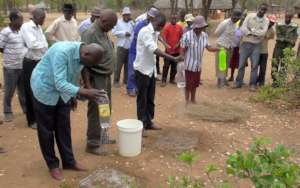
[
  {"x": 65, "y": 27},
  {"x": 36, "y": 43},
  {"x": 145, "y": 69},
  {"x": 84, "y": 25},
  {"x": 124, "y": 33}
]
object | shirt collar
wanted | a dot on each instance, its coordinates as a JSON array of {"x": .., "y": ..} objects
[
  {"x": 65, "y": 20},
  {"x": 151, "y": 28},
  {"x": 32, "y": 24}
]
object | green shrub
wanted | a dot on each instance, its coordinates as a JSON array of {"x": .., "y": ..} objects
[
  {"x": 286, "y": 89},
  {"x": 266, "y": 168}
]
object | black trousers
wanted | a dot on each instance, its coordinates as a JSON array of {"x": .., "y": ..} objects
[
  {"x": 262, "y": 66},
  {"x": 166, "y": 67},
  {"x": 122, "y": 61},
  {"x": 28, "y": 66},
  {"x": 145, "y": 98},
  {"x": 53, "y": 123},
  {"x": 157, "y": 64}
]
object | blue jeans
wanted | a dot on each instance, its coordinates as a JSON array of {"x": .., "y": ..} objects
[
  {"x": 131, "y": 84},
  {"x": 252, "y": 51}
]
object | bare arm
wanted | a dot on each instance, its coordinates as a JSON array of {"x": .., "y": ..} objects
[
  {"x": 165, "y": 55},
  {"x": 160, "y": 38},
  {"x": 212, "y": 48}
]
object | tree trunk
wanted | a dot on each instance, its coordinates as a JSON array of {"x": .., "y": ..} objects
[
  {"x": 119, "y": 4},
  {"x": 186, "y": 5},
  {"x": 172, "y": 2},
  {"x": 192, "y": 6},
  {"x": 205, "y": 8},
  {"x": 234, "y": 2},
  {"x": 176, "y": 6},
  {"x": 243, "y": 4}
]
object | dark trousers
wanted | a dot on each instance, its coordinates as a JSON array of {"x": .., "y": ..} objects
[
  {"x": 166, "y": 67},
  {"x": 122, "y": 61},
  {"x": 53, "y": 123},
  {"x": 262, "y": 66},
  {"x": 13, "y": 79},
  {"x": 157, "y": 65},
  {"x": 94, "y": 128},
  {"x": 28, "y": 66},
  {"x": 145, "y": 98}
]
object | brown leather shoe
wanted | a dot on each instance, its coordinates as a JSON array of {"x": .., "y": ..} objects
[
  {"x": 76, "y": 167},
  {"x": 153, "y": 127},
  {"x": 56, "y": 174}
]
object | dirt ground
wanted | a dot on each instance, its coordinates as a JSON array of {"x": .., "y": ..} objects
[{"x": 23, "y": 166}]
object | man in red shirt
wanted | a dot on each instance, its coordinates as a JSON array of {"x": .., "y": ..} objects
[{"x": 172, "y": 34}]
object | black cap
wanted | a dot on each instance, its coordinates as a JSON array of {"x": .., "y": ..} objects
[{"x": 68, "y": 7}]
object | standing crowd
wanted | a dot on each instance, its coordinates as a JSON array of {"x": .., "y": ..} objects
[{"x": 81, "y": 60}]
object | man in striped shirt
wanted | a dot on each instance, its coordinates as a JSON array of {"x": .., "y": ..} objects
[
  {"x": 193, "y": 44},
  {"x": 13, "y": 49}
]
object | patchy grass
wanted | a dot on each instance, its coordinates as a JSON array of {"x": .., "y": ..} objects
[{"x": 217, "y": 112}]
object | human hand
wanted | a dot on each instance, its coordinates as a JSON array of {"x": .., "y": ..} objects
[
  {"x": 93, "y": 94},
  {"x": 73, "y": 104},
  {"x": 178, "y": 58},
  {"x": 127, "y": 34}
]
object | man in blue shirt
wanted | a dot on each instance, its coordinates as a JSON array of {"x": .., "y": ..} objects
[
  {"x": 131, "y": 85},
  {"x": 54, "y": 83}
]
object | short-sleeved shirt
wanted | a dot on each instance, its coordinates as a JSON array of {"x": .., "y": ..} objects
[
  {"x": 13, "y": 48},
  {"x": 226, "y": 34},
  {"x": 57, "y": 74},
  {"x": 194, "y": 46},
  {"x": 136, "y": 31},
  {"x": 145, "y": 61},
  {"x": 172, "y": 35}
]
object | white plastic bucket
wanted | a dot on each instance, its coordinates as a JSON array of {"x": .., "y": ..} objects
[{"x": 130, "y": 137}]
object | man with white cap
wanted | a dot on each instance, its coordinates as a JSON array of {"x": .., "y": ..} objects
[
  {"x": 85, "y": 24},
  {"x": 131, "y": 85},
  {"x": 124, "y": 32}
]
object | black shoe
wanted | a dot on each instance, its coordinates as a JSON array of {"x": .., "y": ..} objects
[
  {"x": 96, "y": 151},
  {"x": 33, "y": 125},
  {"x": 153, "y": 127}
]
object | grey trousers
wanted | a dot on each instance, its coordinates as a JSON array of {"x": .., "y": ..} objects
[
  {"x": 122, "y": 61},
  {"x": 13, "y": 79},
  {"x": 253, "y": 51},
  {"x": 94, "y": 129}
]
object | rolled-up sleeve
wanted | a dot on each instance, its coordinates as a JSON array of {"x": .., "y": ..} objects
[
  {"x": 148, "y": 41},
  {"x": 59, "y": 66}
]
